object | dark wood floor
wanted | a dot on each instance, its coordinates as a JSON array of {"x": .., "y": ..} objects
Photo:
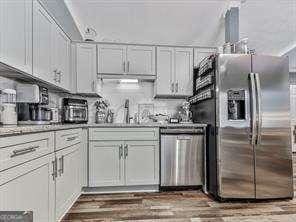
[{"x": 191, "y": 206}]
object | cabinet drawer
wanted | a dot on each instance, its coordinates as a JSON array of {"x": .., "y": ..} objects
[
  {"x": 124, "y": 134},
  {"x": 16, "y": 150},
  {"x": 66, "y": 138}
]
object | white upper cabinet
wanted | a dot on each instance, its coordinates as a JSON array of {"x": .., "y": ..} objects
[
  {"x": 140, "y": 60},
  {"x": 111, "y": 59},
  {"x": 183, "y": 71},
  {"x": 86, "y": 68},
  {"x": 126, "y": 59},
  {"x": 201, "y": 53},
  {"x": 42, "y": 44},
  {"x": 164, "y": 84},
  {"x": 61, "y": 66},
  {"x": 16, "y": 34},
  {"x": 174, "y": 68},
  {"x": 31, "y": 41}
]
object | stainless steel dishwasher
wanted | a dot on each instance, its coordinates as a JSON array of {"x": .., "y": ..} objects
[{"x": 182, "y": 157}]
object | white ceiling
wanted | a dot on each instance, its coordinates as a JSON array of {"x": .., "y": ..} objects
[{"x": 269, "y": 24}]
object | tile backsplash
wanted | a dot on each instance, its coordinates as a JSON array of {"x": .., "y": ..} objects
[
  {"x": 137, "y": 93},
  {"x": 116, "y": 93}
]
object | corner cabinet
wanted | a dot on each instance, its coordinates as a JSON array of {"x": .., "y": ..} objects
[
  {"x": 133, "y": 60},
  {"x": 86, "y": 68},
  {"x": 174, "y": 68},
  {"x": 121, "y": 159},
  {"x": 16, "y": 34}
]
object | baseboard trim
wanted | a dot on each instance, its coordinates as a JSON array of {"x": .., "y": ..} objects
[{"x": 120, "y": 189}]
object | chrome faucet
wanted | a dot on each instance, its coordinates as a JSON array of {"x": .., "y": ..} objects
[{"x": 126, "y": 111}]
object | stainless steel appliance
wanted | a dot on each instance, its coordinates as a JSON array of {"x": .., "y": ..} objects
[
  {"x": 244, "y": 99},
  {"x": 75, "y": 110},
  {"x": 32, "y": 104},
  {"x": 181, "y": 156}
]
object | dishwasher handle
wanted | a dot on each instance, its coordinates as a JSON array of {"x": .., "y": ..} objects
[{"x": 189, "y": 131}]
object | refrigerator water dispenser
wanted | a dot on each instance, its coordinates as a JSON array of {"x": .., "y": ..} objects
[{"x": 236, "y": 105}]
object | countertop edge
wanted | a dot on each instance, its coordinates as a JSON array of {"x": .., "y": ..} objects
[{"x": 20, "y": 130}]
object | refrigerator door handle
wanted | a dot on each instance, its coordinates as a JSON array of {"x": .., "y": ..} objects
[
  {"x": 258, "y": 106},
  {"x": 253, "y": 107}
]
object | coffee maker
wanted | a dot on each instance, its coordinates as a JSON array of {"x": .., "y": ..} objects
[{"x": 32, "y": 104}]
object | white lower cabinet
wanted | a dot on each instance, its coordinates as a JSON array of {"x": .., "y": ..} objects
[
  {"x": 142, "y": 162},
  {"x": 106, "y": 166},
  {"x": 68, "y": 179},
  {"x": 29, "y": 187},
  {"x": 121, "y": 163},
  {"x": 35, "y": 178}
]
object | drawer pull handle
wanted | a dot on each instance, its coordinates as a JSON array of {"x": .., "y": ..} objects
[
  {"x": 71, "y": 138},
  {"x": 61, "y": 170},
  {"x": 23, "y": 151},
  {"x": 54, "y": 169}
]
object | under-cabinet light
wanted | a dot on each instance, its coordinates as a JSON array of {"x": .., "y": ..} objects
[{"x": 128, "y": 80}]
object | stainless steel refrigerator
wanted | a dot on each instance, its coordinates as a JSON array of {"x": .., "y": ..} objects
[{"x": 245, "y": 101}]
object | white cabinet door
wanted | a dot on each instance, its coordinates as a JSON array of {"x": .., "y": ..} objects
[
  {"x": 142, "y": 162},
  {"x": 29, "y": 187},
  {"x": 106, "y": 163},
  {"x": 164, "y": 84},
  {"x": 16, "y": 34},
  {"x": 61, "y": 58},
  {"x": 141, "y": 60},
  {"x": 183, "y": 71},
  {"x": 86, "y": 68},
  {"x": 201, "y": 53},
  {"x": 112, "y": 59},
  {"x": 67, "y": 182},
  {"x": 42, "y": 43}
]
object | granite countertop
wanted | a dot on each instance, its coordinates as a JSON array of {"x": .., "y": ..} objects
[{"x": 24, "y": 129}]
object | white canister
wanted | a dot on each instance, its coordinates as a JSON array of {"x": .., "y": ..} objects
[
  {"x": 55, "y": 113},
  {"x": 8, "y": 114}
]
